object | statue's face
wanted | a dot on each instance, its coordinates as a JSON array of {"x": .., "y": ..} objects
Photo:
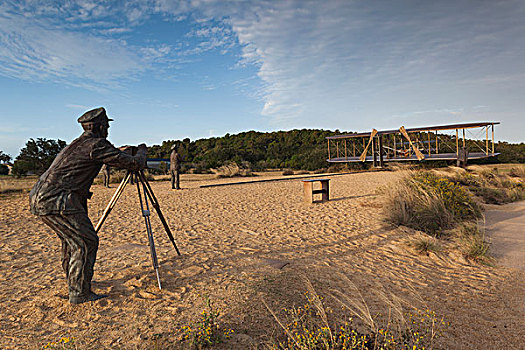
[{"x": 104, "y": 129}]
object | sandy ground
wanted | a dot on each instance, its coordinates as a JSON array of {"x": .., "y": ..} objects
[{"x": 242, "y": 245}]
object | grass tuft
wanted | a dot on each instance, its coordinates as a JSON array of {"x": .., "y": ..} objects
[
  {"x": 307, "y": 327},
  {"x": 426, "y": 245},
  {"x": 472, "y": 242},
  {"x": 426, "y": 202},
  {"x": 232, "y": 169}
]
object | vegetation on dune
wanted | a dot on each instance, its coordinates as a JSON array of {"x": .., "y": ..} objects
[
  {"x": 310, "y": 326},
  {"x": 313, "y": 326},
  {"x": 446, "y": 205},
  {"x": 231, "y": 169},
  {"x": 65, "y": 343},
  {"x": 494, "y": 186},
  {"x": 207, "y": 331},
  {"x": 428, "y": 203}
]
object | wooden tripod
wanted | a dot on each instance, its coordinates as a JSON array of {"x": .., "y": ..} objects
[{"x": 144, "y": 197}]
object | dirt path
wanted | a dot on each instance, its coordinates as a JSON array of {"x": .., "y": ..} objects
[{"x": 506, "y": 231}]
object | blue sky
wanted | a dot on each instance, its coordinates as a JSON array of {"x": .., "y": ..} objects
[{"x": 199, "y": 68}]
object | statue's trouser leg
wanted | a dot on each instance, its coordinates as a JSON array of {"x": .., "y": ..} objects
[
  {"x": 79, "y": 236},
  {"x": 177, "y": 179},
  {"x": 66, "y": 256},
  {"x": 172, "y": 177}
]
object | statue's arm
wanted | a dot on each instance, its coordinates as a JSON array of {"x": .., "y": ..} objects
[{"x": 104, "y": 152}]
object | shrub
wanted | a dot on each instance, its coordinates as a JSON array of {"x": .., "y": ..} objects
[
  {"x": 455, "y": 198},
  {"x": 517, "y": 172},
  {"x": 4, "y": 170},
  {"x": 428, "y": 203},
  {"x": 232, "y": 169},
  {"x": 491, "y": 195},
  {"x": 492, "y": 186},
  {"x": 288, "y": 172}
]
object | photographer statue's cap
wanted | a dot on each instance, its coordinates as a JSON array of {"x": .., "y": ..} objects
[{"x": 96, "y": 115}]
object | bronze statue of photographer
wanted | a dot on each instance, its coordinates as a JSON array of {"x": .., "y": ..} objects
[{"x": 60, "y": 197}]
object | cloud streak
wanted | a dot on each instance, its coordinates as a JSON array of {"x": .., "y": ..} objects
[
  {"x": 335, "y": 59},
  {"x": 34, "y": 50},
  {"x": 328, "y": 61}
]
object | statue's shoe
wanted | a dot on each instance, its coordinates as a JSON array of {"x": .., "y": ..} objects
[{"x": 82, "y": 299}]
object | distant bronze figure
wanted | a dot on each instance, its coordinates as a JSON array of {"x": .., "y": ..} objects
[
  {"x": 175, "y": 164},
  {"x": 60, "y": 198},
  {"x": 106, "y": 171},
  {"x": 462, "y": 158}
]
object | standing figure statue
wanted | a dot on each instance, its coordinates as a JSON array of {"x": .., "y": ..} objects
[
  {"x": 106, "y": 171},
  {"x": 60, "y": 197},
  {"x": 175, "y": 162}
]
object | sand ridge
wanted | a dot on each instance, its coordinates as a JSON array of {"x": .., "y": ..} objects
[{"x": 240, "y": 244}]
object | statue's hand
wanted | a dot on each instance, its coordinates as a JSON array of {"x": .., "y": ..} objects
[{"x": 127, "y": 149}]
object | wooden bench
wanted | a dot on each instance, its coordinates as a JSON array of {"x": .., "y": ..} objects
[{"x": 309, "y": 192}]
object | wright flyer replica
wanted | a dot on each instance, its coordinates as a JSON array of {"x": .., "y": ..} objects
[{"x": 460, "y": 142}]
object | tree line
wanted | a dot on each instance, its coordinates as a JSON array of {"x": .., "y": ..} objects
[
  {"x": 296, "y": 149},
  {"x": 304, "y": 149}
]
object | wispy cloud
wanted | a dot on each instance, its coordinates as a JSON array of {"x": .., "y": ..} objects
[
  {"x": 77, "y": 107},
  {"x": 315, "y": 60},
  {"x": 325, "y": 59},
  {"x": 35, "y": 50}
]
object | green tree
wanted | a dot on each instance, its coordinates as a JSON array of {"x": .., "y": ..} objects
[
  {"x": 37, "y": 156},
  {"x": 4, "y": 157}
]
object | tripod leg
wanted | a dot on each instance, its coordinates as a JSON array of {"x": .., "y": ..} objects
[
  {"x": 113, "y": 201},
  {"x": 146, "y": 214},
  {"x": 149, "y": 192}
]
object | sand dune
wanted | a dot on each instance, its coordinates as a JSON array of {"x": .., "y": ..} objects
[{"x": 241, "y": 244}]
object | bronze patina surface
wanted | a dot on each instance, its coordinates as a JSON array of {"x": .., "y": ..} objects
[
  {"x": 60, "y": 198},
  {"x": 175, "y": 165}
]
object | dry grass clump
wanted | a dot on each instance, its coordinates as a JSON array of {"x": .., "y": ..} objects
[
  {"x": 517, "y": 172},
  {"x": 472, "y": 242},
  {"x": 425, "y": 245},
  {"x": 232, "y": 169},
  {"x": 442, "y": 207},
  {"x": 309, "y": 326},
  {"x": 428, "y": 203},
  {"x": 493, "y": 186},
  {"x": 10, "y": 184}
]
